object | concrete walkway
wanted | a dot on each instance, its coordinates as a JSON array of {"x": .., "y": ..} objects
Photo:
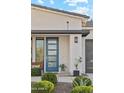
[
  {"x": 63, "y": 87},
  {"x": 35, "y": 78},
  {"x": 60, "y": 79}
]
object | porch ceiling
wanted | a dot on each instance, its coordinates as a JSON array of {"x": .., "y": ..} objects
[{"x": 83, "y": 32}]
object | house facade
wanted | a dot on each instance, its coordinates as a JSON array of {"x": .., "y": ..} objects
[{"x": 60, "y": 37}]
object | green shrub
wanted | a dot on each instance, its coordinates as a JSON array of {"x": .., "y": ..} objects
[
  {"x": 63, "y": 67},
  {"x": 82, "y": 81},
  {"x": 42, "y": 87},
  {"x": 50, "y": 77},
  {"x": 82, "y": 89},
  {"x": 35, "y": 72}
]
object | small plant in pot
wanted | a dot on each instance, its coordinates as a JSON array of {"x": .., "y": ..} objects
[
  {"x": 76, "y": 72},
  {"x": 63, "y": 67}
]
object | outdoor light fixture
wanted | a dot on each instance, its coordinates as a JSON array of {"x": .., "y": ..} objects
[
  {"x": 67, "y": 25},
  {"x": 76, "y": 39}
]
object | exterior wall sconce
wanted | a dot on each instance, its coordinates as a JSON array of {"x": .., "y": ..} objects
[
  {"x": 76, "y": 39},
  {"x": 67, "y": 25}
]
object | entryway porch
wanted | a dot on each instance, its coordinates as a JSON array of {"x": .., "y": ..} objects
[{"x": 49, "y": 51}]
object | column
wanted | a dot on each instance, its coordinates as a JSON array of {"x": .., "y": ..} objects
[
  {"x": 75, "y": 52},
  {"x": 33, "y": 48}
]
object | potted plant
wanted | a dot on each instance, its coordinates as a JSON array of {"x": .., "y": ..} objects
[
  {"x": 62, "y": 66},
  {"x": 76, "y": 72}
]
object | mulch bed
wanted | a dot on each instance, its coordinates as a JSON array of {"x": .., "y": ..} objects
[{"x": 63, "y": 87}]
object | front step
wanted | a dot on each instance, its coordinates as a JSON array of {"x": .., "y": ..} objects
[{"x": 63, "y": 74}]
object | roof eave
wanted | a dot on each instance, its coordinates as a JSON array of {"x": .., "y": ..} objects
[
  {"x": 62, "y": 11},
  {"x": 83, "y": 32}
]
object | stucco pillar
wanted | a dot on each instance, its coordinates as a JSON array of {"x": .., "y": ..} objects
[
  {"x": 83, "y": 58},
  {"x": 75, "y": 52},
  {"x": 33, "y": 48},
  {"x": 45, "y": 54}
]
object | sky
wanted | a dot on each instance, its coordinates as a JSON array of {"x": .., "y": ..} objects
[{"x": 79, "y": 6}]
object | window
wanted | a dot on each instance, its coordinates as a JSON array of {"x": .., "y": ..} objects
[{"x": 39, "y": 50}]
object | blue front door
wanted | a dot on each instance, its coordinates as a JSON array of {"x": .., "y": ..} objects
[{"x": 52, "y": 54}]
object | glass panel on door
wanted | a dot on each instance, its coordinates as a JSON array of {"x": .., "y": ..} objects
[
  {"x": 52, "y": 53},
  {"x": 51, "y": 58},
  {"x": 52, "y": 46}
]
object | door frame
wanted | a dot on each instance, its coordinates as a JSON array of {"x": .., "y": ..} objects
[
  {"x": 85, "y": 56},
  {"x": 57, "y": 56}
]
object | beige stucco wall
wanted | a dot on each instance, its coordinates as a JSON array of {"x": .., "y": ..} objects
[
  {"x": 64, "y": 51},
  {"x": 42, "y": 20}
]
